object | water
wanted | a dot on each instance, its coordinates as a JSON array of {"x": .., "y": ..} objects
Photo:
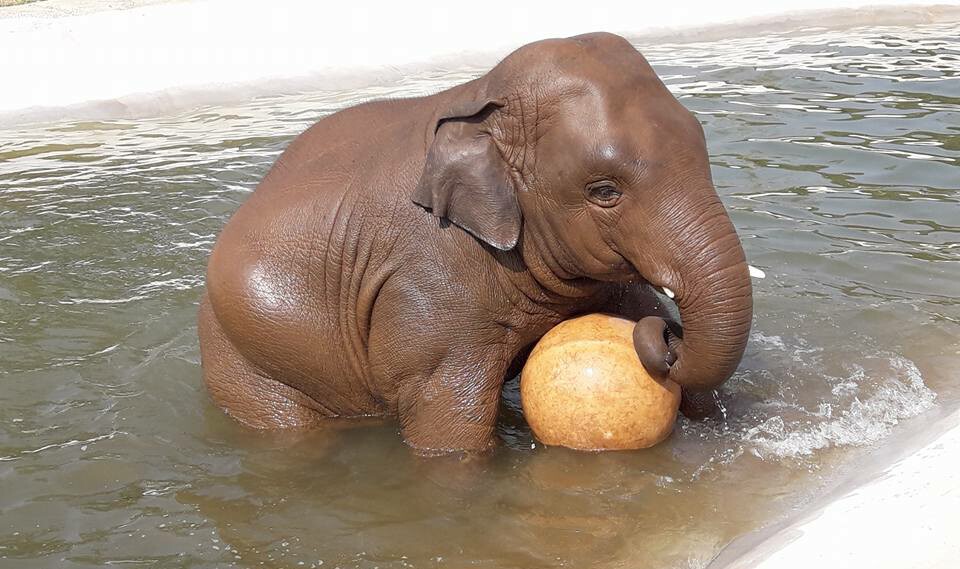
[{"x": 837, "y": 154}]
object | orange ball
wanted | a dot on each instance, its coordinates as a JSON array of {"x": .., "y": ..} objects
[{"x": 583, "y": 387}]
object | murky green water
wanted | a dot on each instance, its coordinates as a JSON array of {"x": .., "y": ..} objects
[{"x": 837, "y": 154}]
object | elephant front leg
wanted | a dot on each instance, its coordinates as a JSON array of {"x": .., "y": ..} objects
[{"x": 454, "y": 408}]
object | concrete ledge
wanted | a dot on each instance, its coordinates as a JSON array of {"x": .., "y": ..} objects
[
  {"x": 904, "y": 515},
  {"x": 66, "y": 59}
]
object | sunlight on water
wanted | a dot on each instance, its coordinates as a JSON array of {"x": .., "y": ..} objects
[{"x": 836, "y": 154}]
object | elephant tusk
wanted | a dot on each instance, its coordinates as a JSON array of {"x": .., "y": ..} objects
[{"x": 754, "y": 272}]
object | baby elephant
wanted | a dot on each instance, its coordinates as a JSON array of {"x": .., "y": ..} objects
[{"x": 401, "y": 255}]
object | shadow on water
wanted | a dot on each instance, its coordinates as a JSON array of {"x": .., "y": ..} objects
[{"x": 837, "y": 156}]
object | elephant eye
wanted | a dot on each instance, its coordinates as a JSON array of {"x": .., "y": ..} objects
[{"x": 604, "y": 194}]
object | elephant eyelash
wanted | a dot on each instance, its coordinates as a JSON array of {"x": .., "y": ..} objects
[
  {"x": 604, "y": 193},
  {"x": 607, "y": 193}
]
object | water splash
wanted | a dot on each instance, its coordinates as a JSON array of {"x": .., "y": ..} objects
[
  {"x": 792, "y": 409},
  {"x": 864, "y": 421}
]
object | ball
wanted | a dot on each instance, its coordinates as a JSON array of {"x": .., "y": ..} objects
[{"x": 583, "y": 387}]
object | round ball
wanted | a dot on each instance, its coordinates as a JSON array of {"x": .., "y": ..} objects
[{"x": 583, "y": 387}]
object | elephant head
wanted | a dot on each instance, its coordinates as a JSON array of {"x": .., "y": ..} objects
[{"x": 575, "y": 152}]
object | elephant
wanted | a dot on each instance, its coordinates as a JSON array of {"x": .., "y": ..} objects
[{"x": 401, "y": 256}]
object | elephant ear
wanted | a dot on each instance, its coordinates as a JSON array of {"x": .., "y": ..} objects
[{"x": 466, "y": 181}]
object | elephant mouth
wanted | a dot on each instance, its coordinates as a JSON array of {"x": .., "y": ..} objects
[
  {"x": 667, "y": 304},
  {"x": 668, "y": 298},
  {"x": 673, "y": 329}
]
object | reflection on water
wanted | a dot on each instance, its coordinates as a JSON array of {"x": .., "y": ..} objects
[{"x": 837, "y": 154}]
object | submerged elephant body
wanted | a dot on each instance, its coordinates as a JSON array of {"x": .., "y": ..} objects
[{"x": 400, "y": 255}]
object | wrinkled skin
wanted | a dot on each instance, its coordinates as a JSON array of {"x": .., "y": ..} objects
[{"x": 401, "y": 255}]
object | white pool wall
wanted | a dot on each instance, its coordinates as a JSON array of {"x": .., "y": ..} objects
[
  {"x": 78, "y": 59},
  {"x": 902, "y": 515}
]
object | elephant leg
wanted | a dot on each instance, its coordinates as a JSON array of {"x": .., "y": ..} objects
[
  {"x": 241, "y": 390},
  {"x": 454, "y": 408}
]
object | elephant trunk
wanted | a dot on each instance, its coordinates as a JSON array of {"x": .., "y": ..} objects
[
  {"x": 716, "y": 322},
  {"x": 713, "y": 292}
]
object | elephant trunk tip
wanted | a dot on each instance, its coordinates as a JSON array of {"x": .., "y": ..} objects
[{"x": 656, "y": 345}]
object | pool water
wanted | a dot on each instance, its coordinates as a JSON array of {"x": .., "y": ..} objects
[{"x": 836, "y": 153}]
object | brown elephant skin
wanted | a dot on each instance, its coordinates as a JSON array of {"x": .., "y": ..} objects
[{"x": 401, "y": 254}]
